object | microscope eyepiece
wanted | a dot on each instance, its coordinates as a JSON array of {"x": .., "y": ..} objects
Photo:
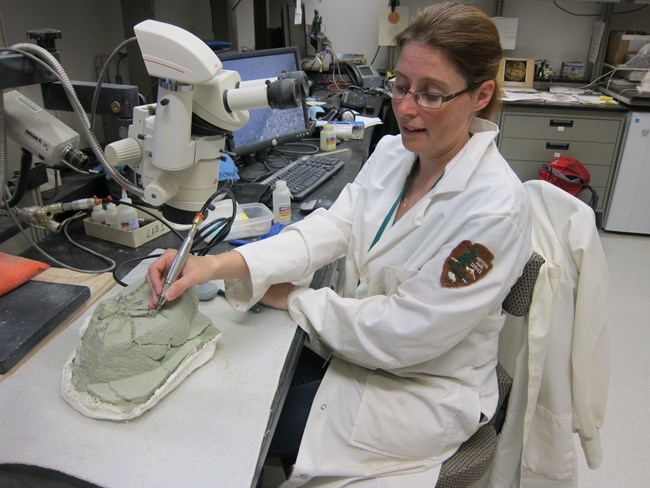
[
  {"x": 283, "y": 93},
  {"x": 300, "y": 77}
]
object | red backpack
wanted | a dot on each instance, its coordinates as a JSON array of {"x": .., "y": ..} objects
[{"x": 570, "y": 175}]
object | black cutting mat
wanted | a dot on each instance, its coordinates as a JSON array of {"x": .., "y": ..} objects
[{"x": 30, "y": 312}]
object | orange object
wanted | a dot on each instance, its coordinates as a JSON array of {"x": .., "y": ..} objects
[{"x": 14, "y": 271}]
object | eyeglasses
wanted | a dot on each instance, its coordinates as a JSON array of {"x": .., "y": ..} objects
[{"x": 422, "y": 97}]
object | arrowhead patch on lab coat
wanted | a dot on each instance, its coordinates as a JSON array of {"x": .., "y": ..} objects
[{"x": 467, "y": 263}]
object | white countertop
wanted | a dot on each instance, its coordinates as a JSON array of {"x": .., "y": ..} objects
[{"x": 207, "y": 432}]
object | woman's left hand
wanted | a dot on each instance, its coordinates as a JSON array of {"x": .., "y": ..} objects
[{"x": 277, "y": 295}]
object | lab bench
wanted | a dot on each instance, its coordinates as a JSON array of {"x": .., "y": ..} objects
[{"x": 213, "y": 430}]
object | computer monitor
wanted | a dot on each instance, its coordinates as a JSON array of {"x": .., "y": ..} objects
[{"x": 267, "y": 127}]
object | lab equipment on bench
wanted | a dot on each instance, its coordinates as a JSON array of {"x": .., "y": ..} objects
[
  {"x": 363, "y": 75},
  {"x": 43, "y": 216},
  {"x": 266, "y": 127},
  {"x": 306, "y": 174},
  {"x": 39, "y": 132},
  {"x": 175, "y": 144}
]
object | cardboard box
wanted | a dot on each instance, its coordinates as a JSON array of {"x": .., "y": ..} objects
[
  {"x": 621, "y": 44},
  {"x": 130, "y": 238}
]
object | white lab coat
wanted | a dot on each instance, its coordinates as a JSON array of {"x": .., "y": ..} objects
[
  {"x": 561, "y": 372},
  {"x": 412, "y": 372}
]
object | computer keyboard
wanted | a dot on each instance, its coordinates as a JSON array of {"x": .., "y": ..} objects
[{"x": 306, "y": 174}]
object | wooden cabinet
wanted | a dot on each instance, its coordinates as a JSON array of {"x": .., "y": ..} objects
[{"x": 533, "y": 135}]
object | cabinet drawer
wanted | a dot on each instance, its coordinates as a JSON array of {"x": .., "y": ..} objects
[
  {"x": 588, "y": 153},
  {"x": 561, "y": 127}
]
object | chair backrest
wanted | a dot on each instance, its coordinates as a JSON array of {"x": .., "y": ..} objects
[
  {"x": 519, "y": 298},
  {"x": 474, "y": 457}
]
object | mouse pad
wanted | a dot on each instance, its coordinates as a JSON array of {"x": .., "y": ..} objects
[{"x": 30, "y": 312}]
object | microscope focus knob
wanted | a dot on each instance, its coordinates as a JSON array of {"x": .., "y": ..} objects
[
  {"x": 161, "y": 190},
  {"x": 123, "y": 152}
]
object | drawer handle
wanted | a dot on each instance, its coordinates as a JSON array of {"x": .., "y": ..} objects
[
  {"x": 560, "y": 146},
  {"x": 561, "y": 123}
]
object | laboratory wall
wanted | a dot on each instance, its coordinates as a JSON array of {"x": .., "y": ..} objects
[
  {"x": 92, "y": 28},
  {"x": 558, "y": 33}
]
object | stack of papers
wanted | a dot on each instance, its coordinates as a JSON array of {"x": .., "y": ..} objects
[{"x": 557, "y": 95}]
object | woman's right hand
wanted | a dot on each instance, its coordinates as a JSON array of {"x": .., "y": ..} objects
[{"x": 197, "y": 270}]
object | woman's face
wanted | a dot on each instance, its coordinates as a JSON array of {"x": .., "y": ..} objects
[{"x": 435, "y": 134}]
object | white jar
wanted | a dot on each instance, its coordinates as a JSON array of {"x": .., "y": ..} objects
[
  {"x": 327, "y": 138},
  {"x": 112, "y": 218},
  {"x": 128, "y": 215},
  {"x": 281, "y": 203},
  {"x": 98, "y": 215}
]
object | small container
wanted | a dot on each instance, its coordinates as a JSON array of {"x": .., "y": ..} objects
[
  {"x": 128, "y": 215},
  {"x": 112, "y": 217},
  {"x": 98, "y": 215},
  {"x": 253, "y": 219},
  {"x": 281, "y": 203},
  {"x": 327, "y": 138}
]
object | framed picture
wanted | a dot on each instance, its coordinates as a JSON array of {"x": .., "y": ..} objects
[
  {"x": 516, "y": 72},
  {"x": 572, "y": 71}
]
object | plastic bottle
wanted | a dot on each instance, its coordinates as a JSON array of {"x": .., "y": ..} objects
[
  {"x": 98, "y": 215},
  {"x": 128, "y": 216},
  {"x": 282, "y": 203},
  {"x": 327, "y": 138},
  {"x": 112, "y": 218}
]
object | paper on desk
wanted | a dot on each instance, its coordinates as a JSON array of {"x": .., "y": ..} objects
[
  {"x": 566, "y": 89},
  {"x": 557, "y": 97},
  {"x": 519, "y": 95},
  {"x": 595, "y": 100}
]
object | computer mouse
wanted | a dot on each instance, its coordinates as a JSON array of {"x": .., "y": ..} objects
[{"x": 311, "y": 205}]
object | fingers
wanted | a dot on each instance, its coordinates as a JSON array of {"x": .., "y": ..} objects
[
  {"x": 156, "y": 274},
  {"x": 178, "y": 287},
  {"x": 195, "y": 271}
]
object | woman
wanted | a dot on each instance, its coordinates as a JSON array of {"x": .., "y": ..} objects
[{"x": 434, "y": 230}]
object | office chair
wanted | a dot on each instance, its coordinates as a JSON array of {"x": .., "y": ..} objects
[
  {"x": 560, "y": 361},
  {"x": 474, "y": 457}
]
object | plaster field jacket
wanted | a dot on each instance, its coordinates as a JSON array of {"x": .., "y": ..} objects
[{"x": 413, "y": 333}]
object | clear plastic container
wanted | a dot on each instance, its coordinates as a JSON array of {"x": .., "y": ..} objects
[{"x": 253, "y": 219}]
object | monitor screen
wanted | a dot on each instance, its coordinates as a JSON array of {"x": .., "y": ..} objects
[{"x": 267, "y": 127}]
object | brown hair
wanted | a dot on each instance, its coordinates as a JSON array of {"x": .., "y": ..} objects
[{"x": 467, "y": 35}]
